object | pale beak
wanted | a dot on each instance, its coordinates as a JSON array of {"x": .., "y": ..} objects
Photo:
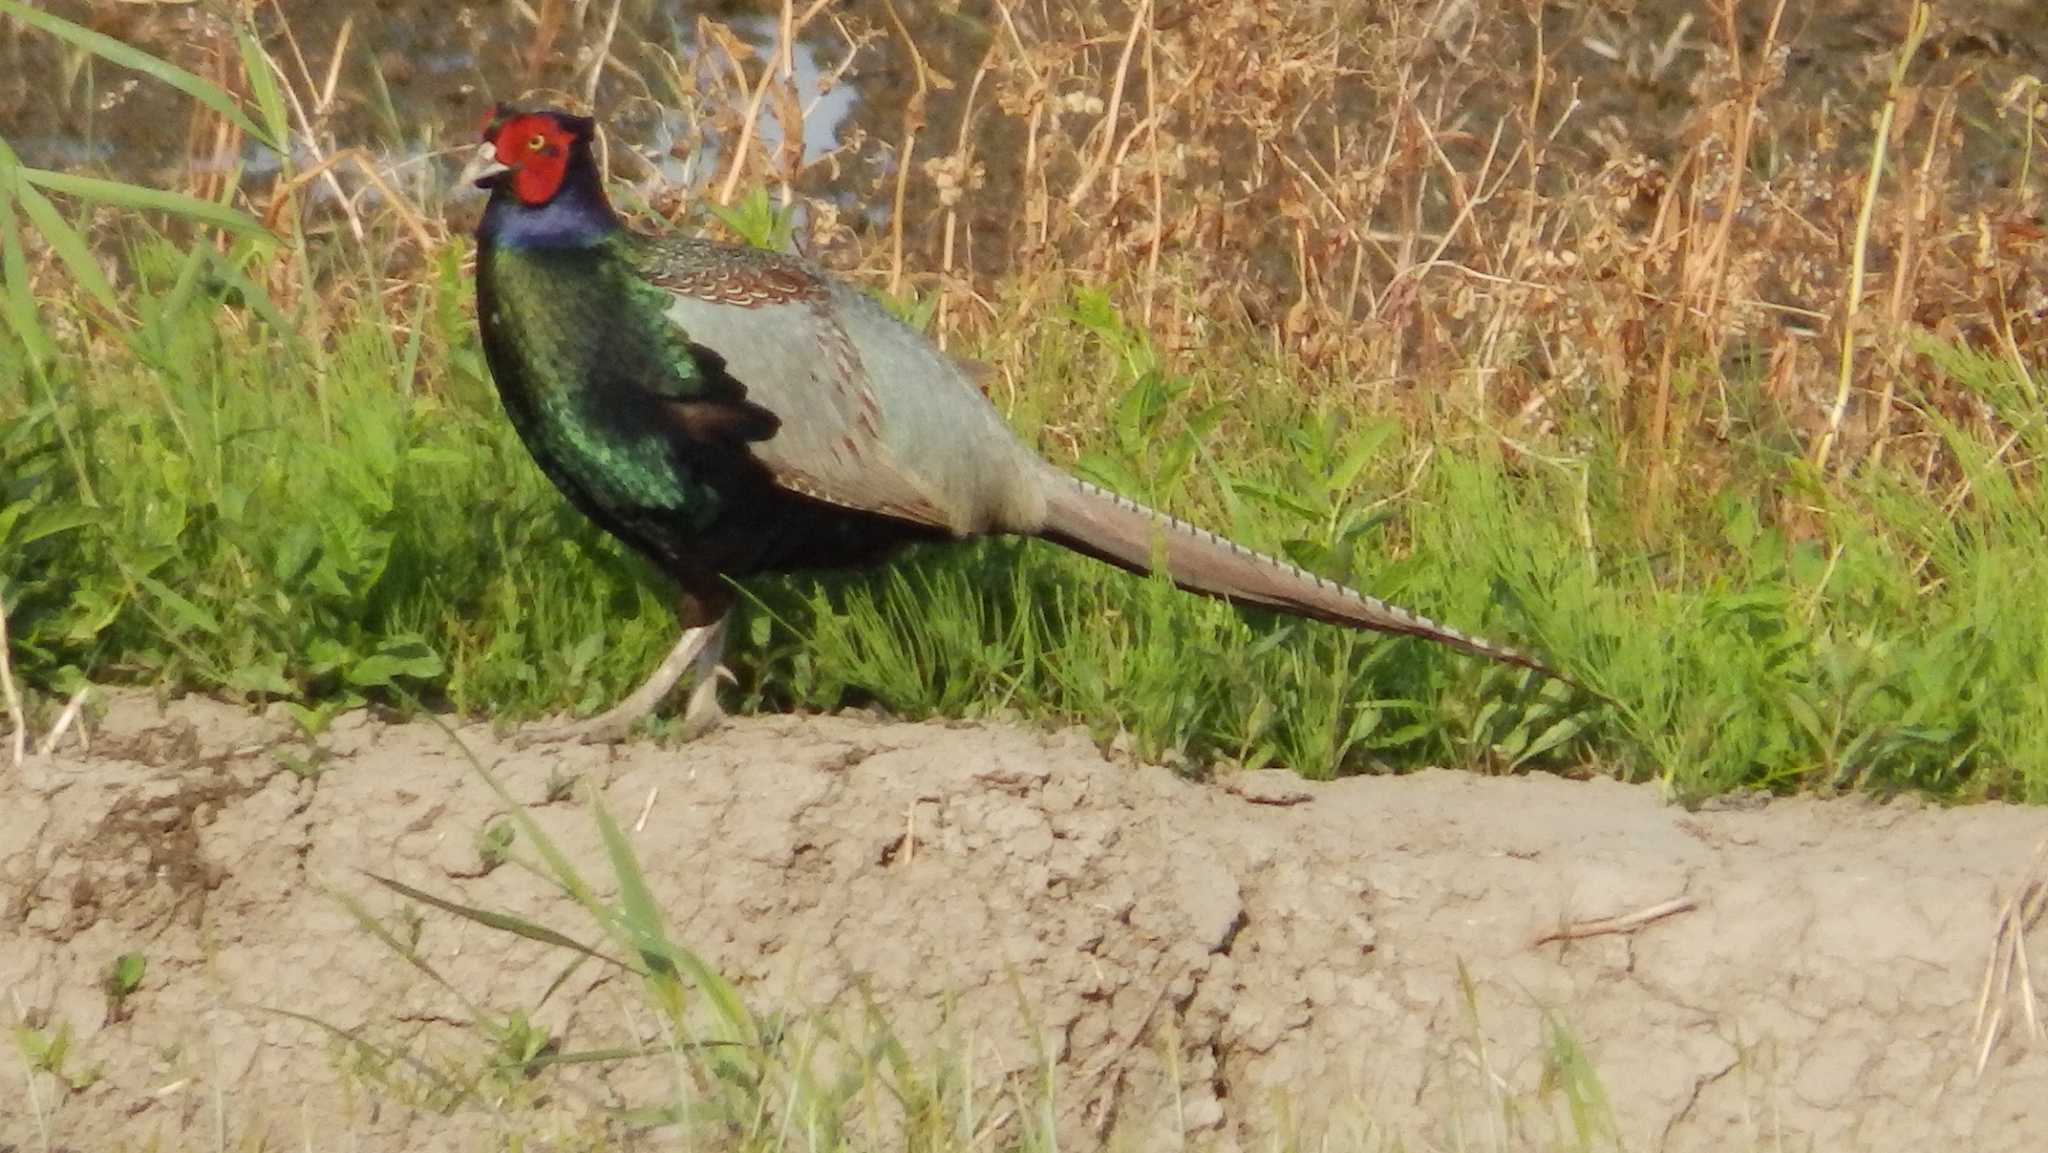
[{"x": 483, "y": 169}]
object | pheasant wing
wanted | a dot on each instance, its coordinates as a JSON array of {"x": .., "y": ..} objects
[{"x": 763, "y": 332}]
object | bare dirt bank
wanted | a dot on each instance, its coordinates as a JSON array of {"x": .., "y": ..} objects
[{"x": 1291, "y": 946}]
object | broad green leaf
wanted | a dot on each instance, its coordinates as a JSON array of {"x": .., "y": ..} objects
[
  {"x": 1370, "y": 441},
  {"x": 51, "y": 521},
  {"x": 188, "y": 614},
  {"x": 264, "y": 675},
  {"x": 1277, "y": 497},
  {"x": 325, "y": 654},
  {"x": 1552, "y": 737},
  {"x": 145, "y": 199},
  {"x": 1092, "y": 310},
  {"x": 129, "y": 56},
  {"x": 126, "y": 974},
  {"x": 384, "y": 668},
  {"x": 69, "y": 246},
  {"x": 295, "y": 552}
]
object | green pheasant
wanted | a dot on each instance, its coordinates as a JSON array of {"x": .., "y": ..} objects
[{"x": 727, "y": 412}]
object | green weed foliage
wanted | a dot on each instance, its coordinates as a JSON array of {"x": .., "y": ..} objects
[
  {"x": 320, "y": 503},
  {"x": 207, "y": 503}
]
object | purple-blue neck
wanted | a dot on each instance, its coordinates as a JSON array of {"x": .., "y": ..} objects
[{"x": 579, "y": 216}]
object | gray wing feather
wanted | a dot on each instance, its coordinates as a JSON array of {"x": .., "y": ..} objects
[{"x": 873, "y": 415}]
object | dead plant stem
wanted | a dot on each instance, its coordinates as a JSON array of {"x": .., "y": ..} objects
[
  {"x": 1140, "y": 20},
  {"x": 913, "y": 120},
  {"x": 1154, "y": 164},
  {"x": 1852, "y": 294},
  {"x": 604, "y": 54},
  {"x": 15, "y": 716},
  {"x": 1626, "y": 923},
  {"x": 788, "y": 28}
]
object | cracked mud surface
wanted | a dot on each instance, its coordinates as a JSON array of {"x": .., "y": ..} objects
[{"x": 1258, "y": 943}]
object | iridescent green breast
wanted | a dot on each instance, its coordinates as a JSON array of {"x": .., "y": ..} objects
[{"x": 584, "y": 358}]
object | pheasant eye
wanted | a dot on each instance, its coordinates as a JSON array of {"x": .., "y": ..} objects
[{"x": 536, "y": 142}]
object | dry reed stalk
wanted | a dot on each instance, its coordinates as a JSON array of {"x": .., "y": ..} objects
[
  {"x": 827, "y": 81},
  {"x": 547, "y": 28},
  {"x": 1751, "y": 91},
  {"x": 2008, "y": 958},
  {"x": 962, "y": 164},
  {"x": 788, "y": 110},
  {"x": 1107, "y": 126},
  {"x": 1852, "y": 298},
  {"x": 1912, "y": 249},
  {"x": 1516, "y": 255},
  {"x": 741, "y": 147},
  {"x": 15, "y": 717},
  {"x": 1656, "y": 442},
  {"x": 309, "y": 137},
  {"x": 334, "y": 62},
  {"x": 72, "y": 714},
  {"x": 913, "y": 122},
  {"x": 1035, "y": 208},
  {"x": 409, "y": 214},
  {"x": 2009, "y": 343},
  {"x": 788, "y": 27},
  {"x": 604, "y": 54},
  {"x": 226, "y": 146},
  {"x": 1153, "y": 165},
  {"x": 1626, "y": 923}
]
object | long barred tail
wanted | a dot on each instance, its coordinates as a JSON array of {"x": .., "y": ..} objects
[{"x": 1092, "y": 520}]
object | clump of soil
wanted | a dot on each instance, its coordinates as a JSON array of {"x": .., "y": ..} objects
[{"x": 1256, "y": 956}]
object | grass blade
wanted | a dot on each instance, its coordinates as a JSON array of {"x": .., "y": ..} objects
[
  {"x": 135, "y": 196},
  {"x": 643, "y": 920},
  {"x": 460, "y": 1093},
  {"x": 643, "y": 915},
  {"x": 503, "y": 922},
  {"x": 128, "y": 56},
  {"x": 622, "y": 1053},
  {"x": 21, "y": 304},
  {"x": 371, "y": 925},
  {"x": 257, "y": 299},
  {"x": 557, "y": 865},
  {"x": 263, "y": 85},
  {"x": 69, "y": 246}
]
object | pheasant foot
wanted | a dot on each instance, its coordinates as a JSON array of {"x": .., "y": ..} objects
[{"x": 695, "y": 657}]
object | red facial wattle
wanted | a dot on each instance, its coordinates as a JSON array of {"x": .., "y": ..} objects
[{"x": 536, "y": 148}]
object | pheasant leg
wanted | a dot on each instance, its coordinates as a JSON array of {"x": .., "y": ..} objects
[{"x": 695, "y": 658}]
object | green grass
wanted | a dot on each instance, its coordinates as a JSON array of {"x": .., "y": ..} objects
[
  {"x": 319, "y": 502},
  {"x": 203, "y": 505}
]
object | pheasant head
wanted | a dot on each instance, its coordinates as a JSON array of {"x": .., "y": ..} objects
[{"x": 544, "y": 184}]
